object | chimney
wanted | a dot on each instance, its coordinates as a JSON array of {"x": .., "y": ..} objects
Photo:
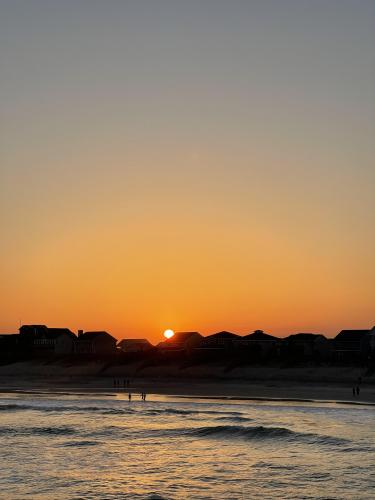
[{"x": 80, "y": 332}]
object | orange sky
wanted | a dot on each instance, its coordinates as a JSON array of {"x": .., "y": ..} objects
[{"x": 187, "y": 169}]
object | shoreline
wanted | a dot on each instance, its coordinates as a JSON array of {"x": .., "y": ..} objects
[
  {"x": 225, "y": 390},
  {"x": 196, "y": 397}
]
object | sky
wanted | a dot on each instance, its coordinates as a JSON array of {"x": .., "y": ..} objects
[{"x": 203, "y": 165}]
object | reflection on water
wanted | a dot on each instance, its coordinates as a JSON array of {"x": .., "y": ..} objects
[{"x": 94, "y": 446}]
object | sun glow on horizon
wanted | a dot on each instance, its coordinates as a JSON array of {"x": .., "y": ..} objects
[
  {"x": 185, "y": 186},
  {"x": 168, "y": 334}
]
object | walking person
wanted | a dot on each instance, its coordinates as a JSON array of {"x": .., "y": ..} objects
[{"x": 129, "y": 396}]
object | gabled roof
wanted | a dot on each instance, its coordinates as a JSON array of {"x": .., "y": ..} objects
[
  {"x": 351, "y": 335},
  {"x": 44, "y": 332},
  {"x": 32, "y": 329},
  {"x": 95, "y": 335},
  {"x": 178, "y": 340},
  {"x": 34, "y": 326},
  {"x": 305, "y": 337},
  {"x": 182, "y": 337},
  {"x": 223, "y": 335},
  {"x": 53, "y": 333},
  {"x": 259, "y": 335},
  {"x": 134, "y": 342}
]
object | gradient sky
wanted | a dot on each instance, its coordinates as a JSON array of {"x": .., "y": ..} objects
[{"x": 198, "y": 165}]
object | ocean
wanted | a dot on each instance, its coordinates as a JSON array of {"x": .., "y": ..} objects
[{"x": 76, "y": 445}]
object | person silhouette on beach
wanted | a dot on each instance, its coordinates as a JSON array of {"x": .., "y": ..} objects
[
  {"x": 129, "y": 396},
  {"x": 357, "y": 390},
  {"x": 353, "y": 391}
]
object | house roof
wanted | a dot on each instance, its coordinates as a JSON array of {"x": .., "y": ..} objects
[
  {"x": 182, "y": 337},
  {"x": 32, "y": 328},
  {"x": 259, "y": 335},
  {"x": 95, "y": 335},
  {"x": 134, "y": 342},
  {"x": 43, "y": 331},
  {"x": 53, "y": 333},
  {"x": 305, "y": 337},
  {"x": 178, "y": 340},
  {"x": 351, "y": 335},
  {"x": 223, "y": 335}
]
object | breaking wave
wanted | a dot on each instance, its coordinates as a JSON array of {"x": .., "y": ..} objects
[{"x": 260, "y": 432}]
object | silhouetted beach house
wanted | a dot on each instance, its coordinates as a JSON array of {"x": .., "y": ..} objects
[
  {"x": 134, "y": 345},
  {"x": 100, "y": 343},
  {"x": 258, "y": 344},
  {"x": 219, "y": 340},
  {"x": 45, "y": 341},
  {"x": 353, "y": 344},
  {"x": 306, "y": 346},
  {"x": 181, "y": 341},
  {"x": 349, "y": 346},
  {"x": 264, "y": 343}
]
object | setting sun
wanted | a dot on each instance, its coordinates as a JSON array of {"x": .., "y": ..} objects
[{"x": 168, "y": 334}]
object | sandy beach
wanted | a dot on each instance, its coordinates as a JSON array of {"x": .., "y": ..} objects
[{"x": 317, "y": 383}]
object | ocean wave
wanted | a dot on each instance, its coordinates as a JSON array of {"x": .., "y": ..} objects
[
  {"x": 358, "y": 449},
  {"x": 38, "y": 431},
  {"x": 124, "y": 410},
  {"x": 74, "y": 409},
  {"x": 241, "y": 431},
  {"x": 260, "y": 432},
  {"x": 52, "y": 431},
  {"x": 79, "y": 444},
  {"x": 228, "y": 431},
  {"x": 235, "y": 418},
  {"x": 176, "y": 411},
  {"x": 13, "y": 407}
]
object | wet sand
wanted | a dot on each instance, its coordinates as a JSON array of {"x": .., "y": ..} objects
[{"x": 215, "y": 389}]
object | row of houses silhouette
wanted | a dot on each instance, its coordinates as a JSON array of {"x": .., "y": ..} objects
[{"x": 42, "y": 341}]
